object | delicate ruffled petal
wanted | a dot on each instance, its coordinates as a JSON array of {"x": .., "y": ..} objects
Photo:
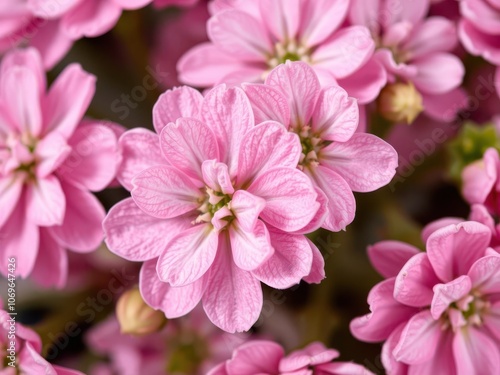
[
  {"x": 442, "y": 362},
  {"x": 336, "y": 115},
  {"x": 51, "y": 152},
  {"x": 186, "y": 144},
  {"x": 268, "y": 103},
  {"x": 388, "y": 257},
  {"x": 81, "y": 229},
  {"x": 438, "y": 73},
  {"x": 480, "y": 177},
  {"x": 345, "y": 52},
  {"x": 137, "y": 236},
  {"x": 341, "y": 203},
  {"x": 51, "y": 42},
  {"x": 403, "y": 10},
  {"x": 485, "y": 274},
  {"x": 365, "y": 161},
  {"x": 419, "y": 339},
  {"x": 343, "y": 368},
  {"x": 179, "y": 102},
  {"x": 10, "y": 192},
  {"x": 46, "y": 202},
  {"x": 165, "y": 192},
  {"x": 366, "y": 13},
  {"x": 264, "y": 147},
  {"x": 446, "y": 294},
  {"x": 452, "y": 250},
  {"x": 188, "y": 255},
  {"x": 291, "y": 261},
  {"x": 68, "y": 100},
  {"x": 140, "y": 151},
  {"x": 216, "y": 177},
  {"x": 479, "y": 43},
  {"x": 51, "y": 267},
  {"x": 233, "y": 298},
  {"x": 438, "y": 224},
  {"x": 174, "y": 302},
  {"x": 132, "y": 4},
  {"x": 93, "y": 160},
  {"x": 30, "y": 58},
  {"x": 47, "y": 10},
  {"x": 246, "y": 208},
  {"x": 290, "y": 198},
  {"x": 415, "y": 281},
  {"x": 317, "y": 273},
  {"x": 475, "y": 353},
  {"x": 250, "y": 249},
  {"x": 256, "y": 357},
  {"x": 390, "y": 364},
  {"x": 281, "y": 18}
]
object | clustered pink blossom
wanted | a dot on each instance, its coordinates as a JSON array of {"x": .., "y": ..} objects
[
  {"x": 268, "y": 358},
  {"x": 49, "y": 164},
  {"x": 438, "y": 310}
]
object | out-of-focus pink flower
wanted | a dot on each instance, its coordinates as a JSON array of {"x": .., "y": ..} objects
[
  {"x": 250, "y": 38},
  {"x": 175, "y": 37},
  {"x": 21, "y": 350},
  {"x": 267, "y": 357},
  {"x": 181, "y": 3},
  {"x": 52, "y": 26},
  {"x": 217, "y": 207},
  {"x": 438, "y": 310},
  {"x": 336, "y": 158},
  {"x": 48, "y": 166},
  {"x": 191, "y": 346},
  {"x": 481, "y": 181},
  {"x": 409, "y": 50}
]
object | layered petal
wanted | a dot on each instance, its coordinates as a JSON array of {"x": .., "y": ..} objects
[
  {"x": 438, "y": 73},
  {"x": 485, "y": 274},
  {"x": 46, "y": 202},
  {"x": 475, "y": 353},
  {"x": 268, "y": 103},
  {"x": 257, "y": 357},
  {"x": 250, "y": 249},
  {"x": 51, "y": 267},
  {"x": 10, "y": 192},
  {"x": 446, "y": 294},
  {"x": 389, "y": 257}
]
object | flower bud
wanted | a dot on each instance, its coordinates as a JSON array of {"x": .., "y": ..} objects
[
  {"x": 400, "y": 102},
  {"x": 136, "y": 317}
]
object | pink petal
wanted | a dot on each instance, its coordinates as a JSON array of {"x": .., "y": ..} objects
[
  {"x": 51, "y": 267},
  {"x": 281, "y": 17},
  {"x": 479, "y": 43},
  {"x": 136, "y": 236},
  {"x": 300, "y": 85},
  {"x": 10, "y": 192},
  {"x": 366, "y": 13},
  {"x": 227, "y": 111},
  {"x": 403, "y": 10},
  {"x": 475, "y": 353},
  {"x": 44, "y": 9},
  {"x": 256, "y": 357},
  {"x": 132, "y": 4},
  {"x": 366, "y": 82},
  {"x": 81, "y": 229},
  {"x": 51, "y": 42},
  {"x": 90, "y": 18},
  {"x": 18, "y": 234},
  {"x": 438, "y": 73},
  {"x": 419, "y": 339},
  {"x": 482, "y": 14},
  {"x": 239, "y": 33},
  {"x": 388, "y": 257},
  {"x": 187, "y": 144},
  {"x": 415, "y": 281},
  {"x": 317, "y": 273},
  {"x": 290, "y": 198},
  {"x": 446, "y": 294},
  {"x": 140, "y": 150},
  {"x": 20, "y": 93},
  {"x": 438, "y": 224},
  {"x": 250, "y": 249},
  {"x": 51, "y": 151},
  {"x": 365, "y": 161},
  {"x": 452, "y": 250},
  {"x": 175, "y": 103},
  {"x": 491, "y": 320},
  {"x": 68, "y": 100},
  {"x": 386, "y": 314},
  {"x": 291, "y": 261},
  {"x": 423, "y": 41},
  {"x": 93, "y": 161},
  {"x": 444, "y": 107},
  {"x": 343, "y": 368},
  {"x": 390, "y": 364},
  {"x": 320, "y": 18},
  {"x": 266, "y": 146},
  {"x": 268, "y": 103},
  {"x": 320, "y": 216},
  {"x": 174, "y": 302},
  {"x": 341, "y": 203},
  {"x": 485, "y": 275},
  {"x": 480, "y": 177},
  {"x": 164, "y": 192},
  {"x": 233, "y": 298},
  {"x": 28, "y": 57},
  {"x": 188, "y": 256},
  {"x": 246, "y": 209},
  {"x": 216, "y": 176},
  {"x": 336, "y": 115},
  {"x": 345, "y": 52},
  {"x": 46, "y": 202}
]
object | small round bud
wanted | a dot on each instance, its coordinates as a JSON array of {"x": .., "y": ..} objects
[
  {"x": 400, "y": 102},
  {"x": 136, "y": 317}
]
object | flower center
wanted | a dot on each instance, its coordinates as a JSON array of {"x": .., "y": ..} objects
[
  {"x": 311, "y": 146},
  {"x": 215, "y": 204},
  {"x": 18, "y": 156},
  {"x": 467, "y": 311},
  {"x": 290, "y": 50}
]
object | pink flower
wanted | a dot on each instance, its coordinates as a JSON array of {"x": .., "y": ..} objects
[
  {"x": 52, "y": 26},
  {"x": 217, "y": 206},
  {"x": 191, "y": 345},
  {"x": 438, "y": 310},
  {"x": 336, "y": 158},
  {"x": 481, "y": 181},
  {"x": 409, "y": 50},
  {"x": 21, "y": 350},
  {"x": 250, "y": 38},
  {"x": 48, "y": 166},
  {"x": 268, "y": 358},
  {"x": 182, "y": 3}
]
